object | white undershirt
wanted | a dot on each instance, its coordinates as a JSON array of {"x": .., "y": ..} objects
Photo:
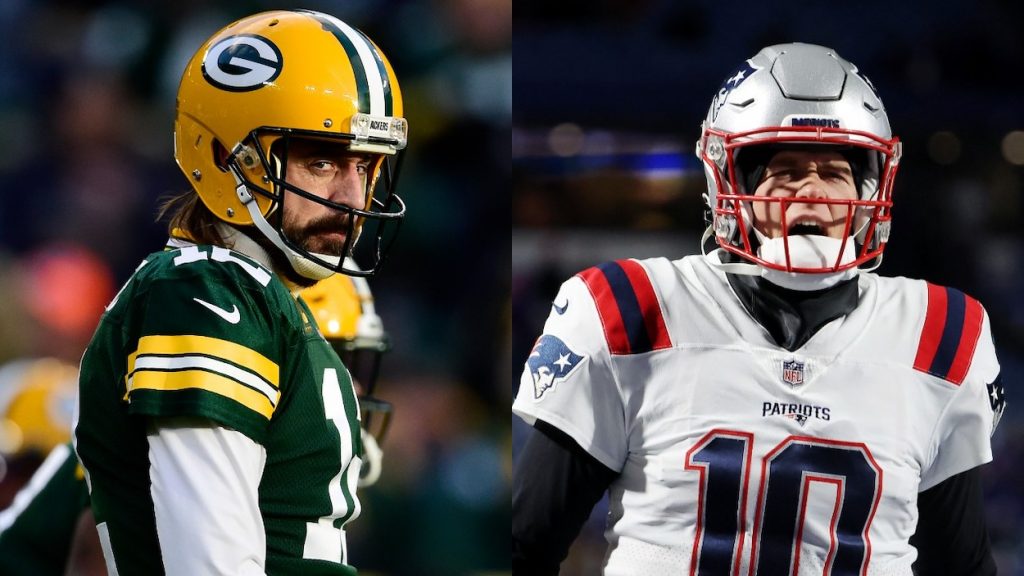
[{"x": 205, "y": 488}]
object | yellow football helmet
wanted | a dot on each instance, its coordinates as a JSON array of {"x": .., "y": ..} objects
[
  {"x": 279, "y": 75},
  {"x": 344, "y": 311},
  {"x": 37, "y": 400}
]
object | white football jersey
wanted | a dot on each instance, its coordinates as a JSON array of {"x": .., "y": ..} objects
[{"x": 737, "y": 456}]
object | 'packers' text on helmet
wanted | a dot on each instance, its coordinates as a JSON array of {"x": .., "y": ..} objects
[
  {"x": 797, "y": 96},
  {"x": 268, "y": 79},
  {"x": 344, "y": 311}
]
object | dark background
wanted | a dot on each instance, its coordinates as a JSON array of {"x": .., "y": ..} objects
[
  {"x": 87, "y": 95},
  {"x": 609, "y": 99}
]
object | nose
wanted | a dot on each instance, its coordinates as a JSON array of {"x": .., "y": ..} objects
[
  {"x": 347, "y": 187},
  {"x": 810, "y": 186}
]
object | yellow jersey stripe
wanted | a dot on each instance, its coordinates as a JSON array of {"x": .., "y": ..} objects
[
  {"x": 205, "y": 345},
  {"x": 202, "y": 380}
]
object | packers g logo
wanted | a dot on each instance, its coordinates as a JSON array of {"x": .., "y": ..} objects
[{"x": 242, "y": 63}]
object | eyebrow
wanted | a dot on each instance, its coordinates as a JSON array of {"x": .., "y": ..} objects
[{"x": 788, "y": 163}]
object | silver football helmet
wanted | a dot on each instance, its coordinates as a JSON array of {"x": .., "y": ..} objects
[{"x": 796, "y": 96}]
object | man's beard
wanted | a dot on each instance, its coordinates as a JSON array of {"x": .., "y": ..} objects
[{"x": 309, "y": 239}]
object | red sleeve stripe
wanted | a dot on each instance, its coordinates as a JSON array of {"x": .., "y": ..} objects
[
  {"x": 951, "y": 330},
  {"x": 934, "y": 322},
  {"x": 607, "y": 309},
  {"x": 628, "y": 307},
  {"x": 654, "y": 321}
]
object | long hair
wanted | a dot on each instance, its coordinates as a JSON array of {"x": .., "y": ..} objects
[{"x": 187, "y": 214}]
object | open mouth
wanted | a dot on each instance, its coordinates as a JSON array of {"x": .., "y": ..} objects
[{"x": 806, "y": 228}]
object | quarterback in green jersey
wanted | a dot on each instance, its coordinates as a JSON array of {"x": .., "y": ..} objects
[
  {"x": 218, "y": 430},
  {"x": 49, "y": 529}
]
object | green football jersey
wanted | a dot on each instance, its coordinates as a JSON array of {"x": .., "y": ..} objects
[
  {"x": 203, "y": 331},
  {"x": 36, "y": 531}
]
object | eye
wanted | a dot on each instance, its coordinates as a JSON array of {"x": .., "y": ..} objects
[
  {"x": 362, "y": 166},
  {"x": 322, "y": 166},
  {"x": 838, "y": 176},
  {"x": 781, "y": 175}
]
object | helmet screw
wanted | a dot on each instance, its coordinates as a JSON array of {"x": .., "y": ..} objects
[
  {"x": 197, "y": 174},
  {"x": 266, "y": 179},
  {"x": 328, "y": 123},
  {"x": 231, "y": 212}
]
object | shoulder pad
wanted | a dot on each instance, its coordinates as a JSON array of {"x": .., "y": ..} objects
[
  {"x": 952, "y": 325},
  {"x": 628, "y": 306}
]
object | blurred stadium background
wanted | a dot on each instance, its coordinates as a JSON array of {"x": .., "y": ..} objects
[
  {"x": 609, "y": 98},
  {"x": 87, "y": 92}
]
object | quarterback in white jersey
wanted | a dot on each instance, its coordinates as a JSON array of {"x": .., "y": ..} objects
[{"x": 771, "y": 407}]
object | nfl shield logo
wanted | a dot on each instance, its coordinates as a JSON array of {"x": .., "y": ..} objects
[{"x": 793, "y": 372}]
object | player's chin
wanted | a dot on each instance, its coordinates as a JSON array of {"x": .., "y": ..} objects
[{"x": 327, "y": 243}]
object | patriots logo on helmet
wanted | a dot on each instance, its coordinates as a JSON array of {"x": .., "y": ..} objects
[
  {"x": 730, "y": 84},
  {"x": 550, "y": 361}
]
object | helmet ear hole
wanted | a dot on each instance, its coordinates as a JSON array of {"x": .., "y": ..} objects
[{"x": 220, "y": 155}]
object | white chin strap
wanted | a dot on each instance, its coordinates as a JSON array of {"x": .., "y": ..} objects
[
  {"x": 303, "y": 266},
  {"x": 373, "y": 458},
  {"x": 805, "y": 251}
]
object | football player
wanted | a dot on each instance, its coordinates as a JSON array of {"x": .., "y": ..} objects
[
  {"x": 218, "y": 430},
  {"x": 770, "y": 406},
  {"x": 344, "y": 311},
  {"x": 36, "y": 530}
]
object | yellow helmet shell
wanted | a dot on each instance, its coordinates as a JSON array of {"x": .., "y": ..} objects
[
  {"x": 299, "y": 71},
  {"x": 37, "y": 399},
  {"x": 336, "y": 306}
]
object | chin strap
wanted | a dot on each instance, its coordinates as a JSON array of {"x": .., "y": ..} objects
[
  {"x": 302, "y": 265},
  {"x": 813, "y": 250}
]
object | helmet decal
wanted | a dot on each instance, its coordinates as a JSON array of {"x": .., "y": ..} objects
[
  {"x": 813, "y": 120},
  {"x": 371, "y": 76},
  {"x": 730, "y": 84},
  {"x": 242, "y": 63}
]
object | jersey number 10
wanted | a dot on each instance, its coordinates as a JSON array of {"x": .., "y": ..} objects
[{"x": 788, "y": 471}]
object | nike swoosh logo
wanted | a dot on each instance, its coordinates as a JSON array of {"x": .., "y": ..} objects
[
  {"x": 233, "y": 316},
  {"x": 560, "y": 309}
]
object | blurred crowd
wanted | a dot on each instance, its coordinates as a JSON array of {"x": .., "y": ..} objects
[
  {"x": 603, "y": 164},
  {"x": 87, "y": 94}
]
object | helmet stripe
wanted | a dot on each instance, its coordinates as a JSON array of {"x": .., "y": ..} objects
[
  {"x": 371, "y": 76},
  {"x": 383, "y": 71}
]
